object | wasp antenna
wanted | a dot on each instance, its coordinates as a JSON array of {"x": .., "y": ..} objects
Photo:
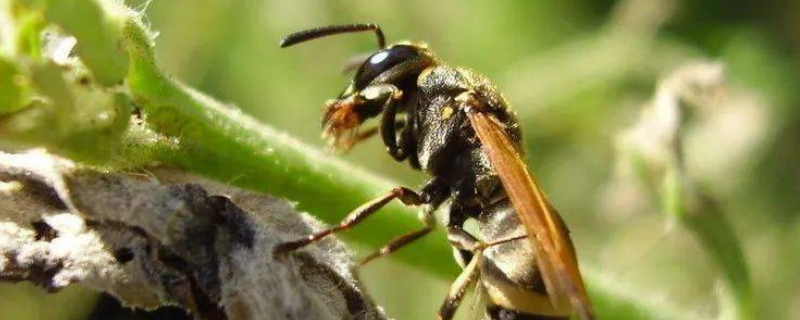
[{"x": 315, "y": 33}]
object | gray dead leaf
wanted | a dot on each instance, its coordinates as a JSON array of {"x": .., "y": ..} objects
[{"x": 167, "y": 238}]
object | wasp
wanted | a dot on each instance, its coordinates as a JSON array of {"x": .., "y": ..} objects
[{"x": 454, "y": 125}]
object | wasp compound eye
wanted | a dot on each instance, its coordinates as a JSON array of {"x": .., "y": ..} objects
[{"x": 382, "y": 61}]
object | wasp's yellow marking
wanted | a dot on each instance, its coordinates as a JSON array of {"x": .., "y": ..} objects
[
  {"x": 371, "y": 93},
  {"x": 462, "y": 97},
  {"x": 447, "y": 112},
  {"x": 512, "y": 297},
  {"x": 424, "y": 74}
]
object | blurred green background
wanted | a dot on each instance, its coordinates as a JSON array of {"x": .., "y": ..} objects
[{"x": 578, "y": 73}]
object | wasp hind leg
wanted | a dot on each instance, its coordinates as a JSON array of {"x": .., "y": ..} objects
[
  {"x": 459, "y": 289},
  {"x": 462, "y": 241},
  {"x": 467, "y": 246}
]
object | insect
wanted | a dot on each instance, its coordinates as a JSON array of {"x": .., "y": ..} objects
[{"x": 454, "y": 125}]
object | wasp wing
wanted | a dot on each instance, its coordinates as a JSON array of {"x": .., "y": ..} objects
[{"x": 552, "y": 246}]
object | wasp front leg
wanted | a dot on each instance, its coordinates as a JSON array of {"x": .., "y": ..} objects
[
  {"x": 432, "y": 194},
  {"x": 363, "y": 135},
  {"x": 403, "y": 240},
  {"x": 391, "y": 97},
  {"x": 405, "y": 195}
]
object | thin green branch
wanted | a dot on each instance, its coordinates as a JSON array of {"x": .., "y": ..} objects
[
  {"x": 700, "y": 214},
  {"x": 652, "y": 148}
]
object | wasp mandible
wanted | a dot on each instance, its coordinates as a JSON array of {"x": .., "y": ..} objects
[{"x": 454, "y": 125}]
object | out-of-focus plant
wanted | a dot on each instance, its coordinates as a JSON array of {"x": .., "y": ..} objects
[
  {"x": 652, "y": 153},
  {"x": 625, "y": 48}
]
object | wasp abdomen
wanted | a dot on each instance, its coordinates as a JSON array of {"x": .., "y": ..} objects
[{"x": 510, "y": 277}]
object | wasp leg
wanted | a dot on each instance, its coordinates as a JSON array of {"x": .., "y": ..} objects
[
  {"x": 396, "y": 244},
  {"x": 465, "y": 242},
  {"x": 460, "y": 286},
  {"x": 462, "y": 240},
  {"x": 433, "y": 194},
  {"x": 366, "y": 134},
  {"x": 389, "y": 95},
  {"x": 388, "y": 130},
  {"x": 405, "y": 195},
  {"x": 401, "y": 71},
  {"x": 403, "y": 240},
  {"x": 345, "y": 144}
]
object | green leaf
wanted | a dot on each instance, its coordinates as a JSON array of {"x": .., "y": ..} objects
[
  {"x": 14, "y": 87},
  {"x": 98, "y": 27}
]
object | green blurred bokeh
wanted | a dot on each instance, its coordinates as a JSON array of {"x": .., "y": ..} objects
[{"x": 577, "y": 72}]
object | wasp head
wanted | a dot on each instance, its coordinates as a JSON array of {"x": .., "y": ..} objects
[
  {"x": 376, "y": 80},
  {"x": 366, "y": 95}
]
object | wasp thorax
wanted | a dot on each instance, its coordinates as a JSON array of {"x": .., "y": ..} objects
[{"x": 382, "y": 61}]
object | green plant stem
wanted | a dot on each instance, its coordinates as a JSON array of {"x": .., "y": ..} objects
[
  {"x": 702, "y": 217},
  {"x": 716, "y": 235}
]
